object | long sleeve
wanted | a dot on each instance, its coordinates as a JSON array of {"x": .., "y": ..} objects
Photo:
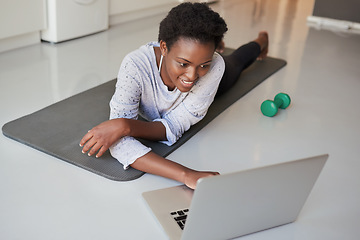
[{"x": 125, "y": 104}]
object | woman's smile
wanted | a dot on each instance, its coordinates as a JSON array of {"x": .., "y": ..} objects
[{"x": 187, "y": 83}]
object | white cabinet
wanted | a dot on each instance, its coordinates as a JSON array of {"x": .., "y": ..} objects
[{"x": 69, "y": 19}]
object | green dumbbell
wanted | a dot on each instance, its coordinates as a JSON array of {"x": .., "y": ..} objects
[{"x": 270, "y": 108}]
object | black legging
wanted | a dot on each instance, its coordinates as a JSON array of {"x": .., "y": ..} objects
[{"x": 235, "y": 63}]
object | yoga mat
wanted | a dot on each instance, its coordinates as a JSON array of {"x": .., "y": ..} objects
[{"x": 58, "y": 128}]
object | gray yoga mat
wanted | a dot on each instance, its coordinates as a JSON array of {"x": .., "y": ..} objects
[{"x": 58, "y": 128}]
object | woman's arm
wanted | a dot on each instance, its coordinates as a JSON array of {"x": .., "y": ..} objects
[
  {"x": 155, "y": 164},
  {"x": 102, "y": 136}
]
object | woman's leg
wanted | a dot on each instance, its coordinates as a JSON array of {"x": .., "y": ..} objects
[{"x": 240, "y": 59}]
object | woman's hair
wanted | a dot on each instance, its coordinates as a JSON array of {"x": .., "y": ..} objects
[{"x": 192, "y": 20}]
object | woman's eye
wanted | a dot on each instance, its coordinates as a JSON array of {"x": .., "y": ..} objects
[
  {"x": 183, "y": 64},
  {"x": 204, "y": 66}
]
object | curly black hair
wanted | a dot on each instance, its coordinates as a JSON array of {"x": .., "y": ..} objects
[{"x": 192, "y": 20}]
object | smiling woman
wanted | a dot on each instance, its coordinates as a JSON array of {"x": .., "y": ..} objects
[{"x": 171, "y": 83}]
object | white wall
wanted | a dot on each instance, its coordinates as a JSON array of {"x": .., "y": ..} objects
[
  {"x": 21, "y": 22},
  {"x": 126, "y": 10},
  {"x": 123, "y": 6}
]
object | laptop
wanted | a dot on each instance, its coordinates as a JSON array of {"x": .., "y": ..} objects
[{"x": 236, "y": 204}]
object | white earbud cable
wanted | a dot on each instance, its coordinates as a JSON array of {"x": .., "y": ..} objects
[{"x": 161, "y": 59}]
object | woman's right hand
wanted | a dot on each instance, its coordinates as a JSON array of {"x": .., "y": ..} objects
[
  {"x": 102, "y": 136},
  {"x": 192, "y": 176},
  {"x": 155, "y": 164}
]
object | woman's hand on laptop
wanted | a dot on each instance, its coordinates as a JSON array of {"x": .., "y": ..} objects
[
  {"x": 192, "y": 176},
  {"x": 157, "y": 165}
]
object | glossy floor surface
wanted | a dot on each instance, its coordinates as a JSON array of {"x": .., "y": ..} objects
[{"x": 42, "y": 197}]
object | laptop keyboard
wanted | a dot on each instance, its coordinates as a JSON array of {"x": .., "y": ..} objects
[{"x": 180, "y": 217}]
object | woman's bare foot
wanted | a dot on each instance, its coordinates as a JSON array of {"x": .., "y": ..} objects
[{"x": 263, "y": 41}]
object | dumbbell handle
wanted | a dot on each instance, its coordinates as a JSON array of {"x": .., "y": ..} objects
[
  {"x": 270, "y": 108},
  {"x": 278, "y": 102}
]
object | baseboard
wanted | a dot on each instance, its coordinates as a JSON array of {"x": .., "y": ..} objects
[
  {"x": 327, "y": 23},
  {"x": 23, "y": 40},
  {"x": 138, "y": 14}
]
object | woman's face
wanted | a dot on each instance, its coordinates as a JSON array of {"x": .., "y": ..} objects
[{"x": 185, "y": 63}]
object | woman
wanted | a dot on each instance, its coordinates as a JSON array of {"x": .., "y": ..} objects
[{"x": 171, "y": 84}]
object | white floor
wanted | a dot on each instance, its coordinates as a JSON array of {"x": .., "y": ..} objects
[{"x": 44, "y": 198}]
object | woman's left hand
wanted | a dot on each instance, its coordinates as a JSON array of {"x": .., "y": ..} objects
[{"x": 102, "y": 136}]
